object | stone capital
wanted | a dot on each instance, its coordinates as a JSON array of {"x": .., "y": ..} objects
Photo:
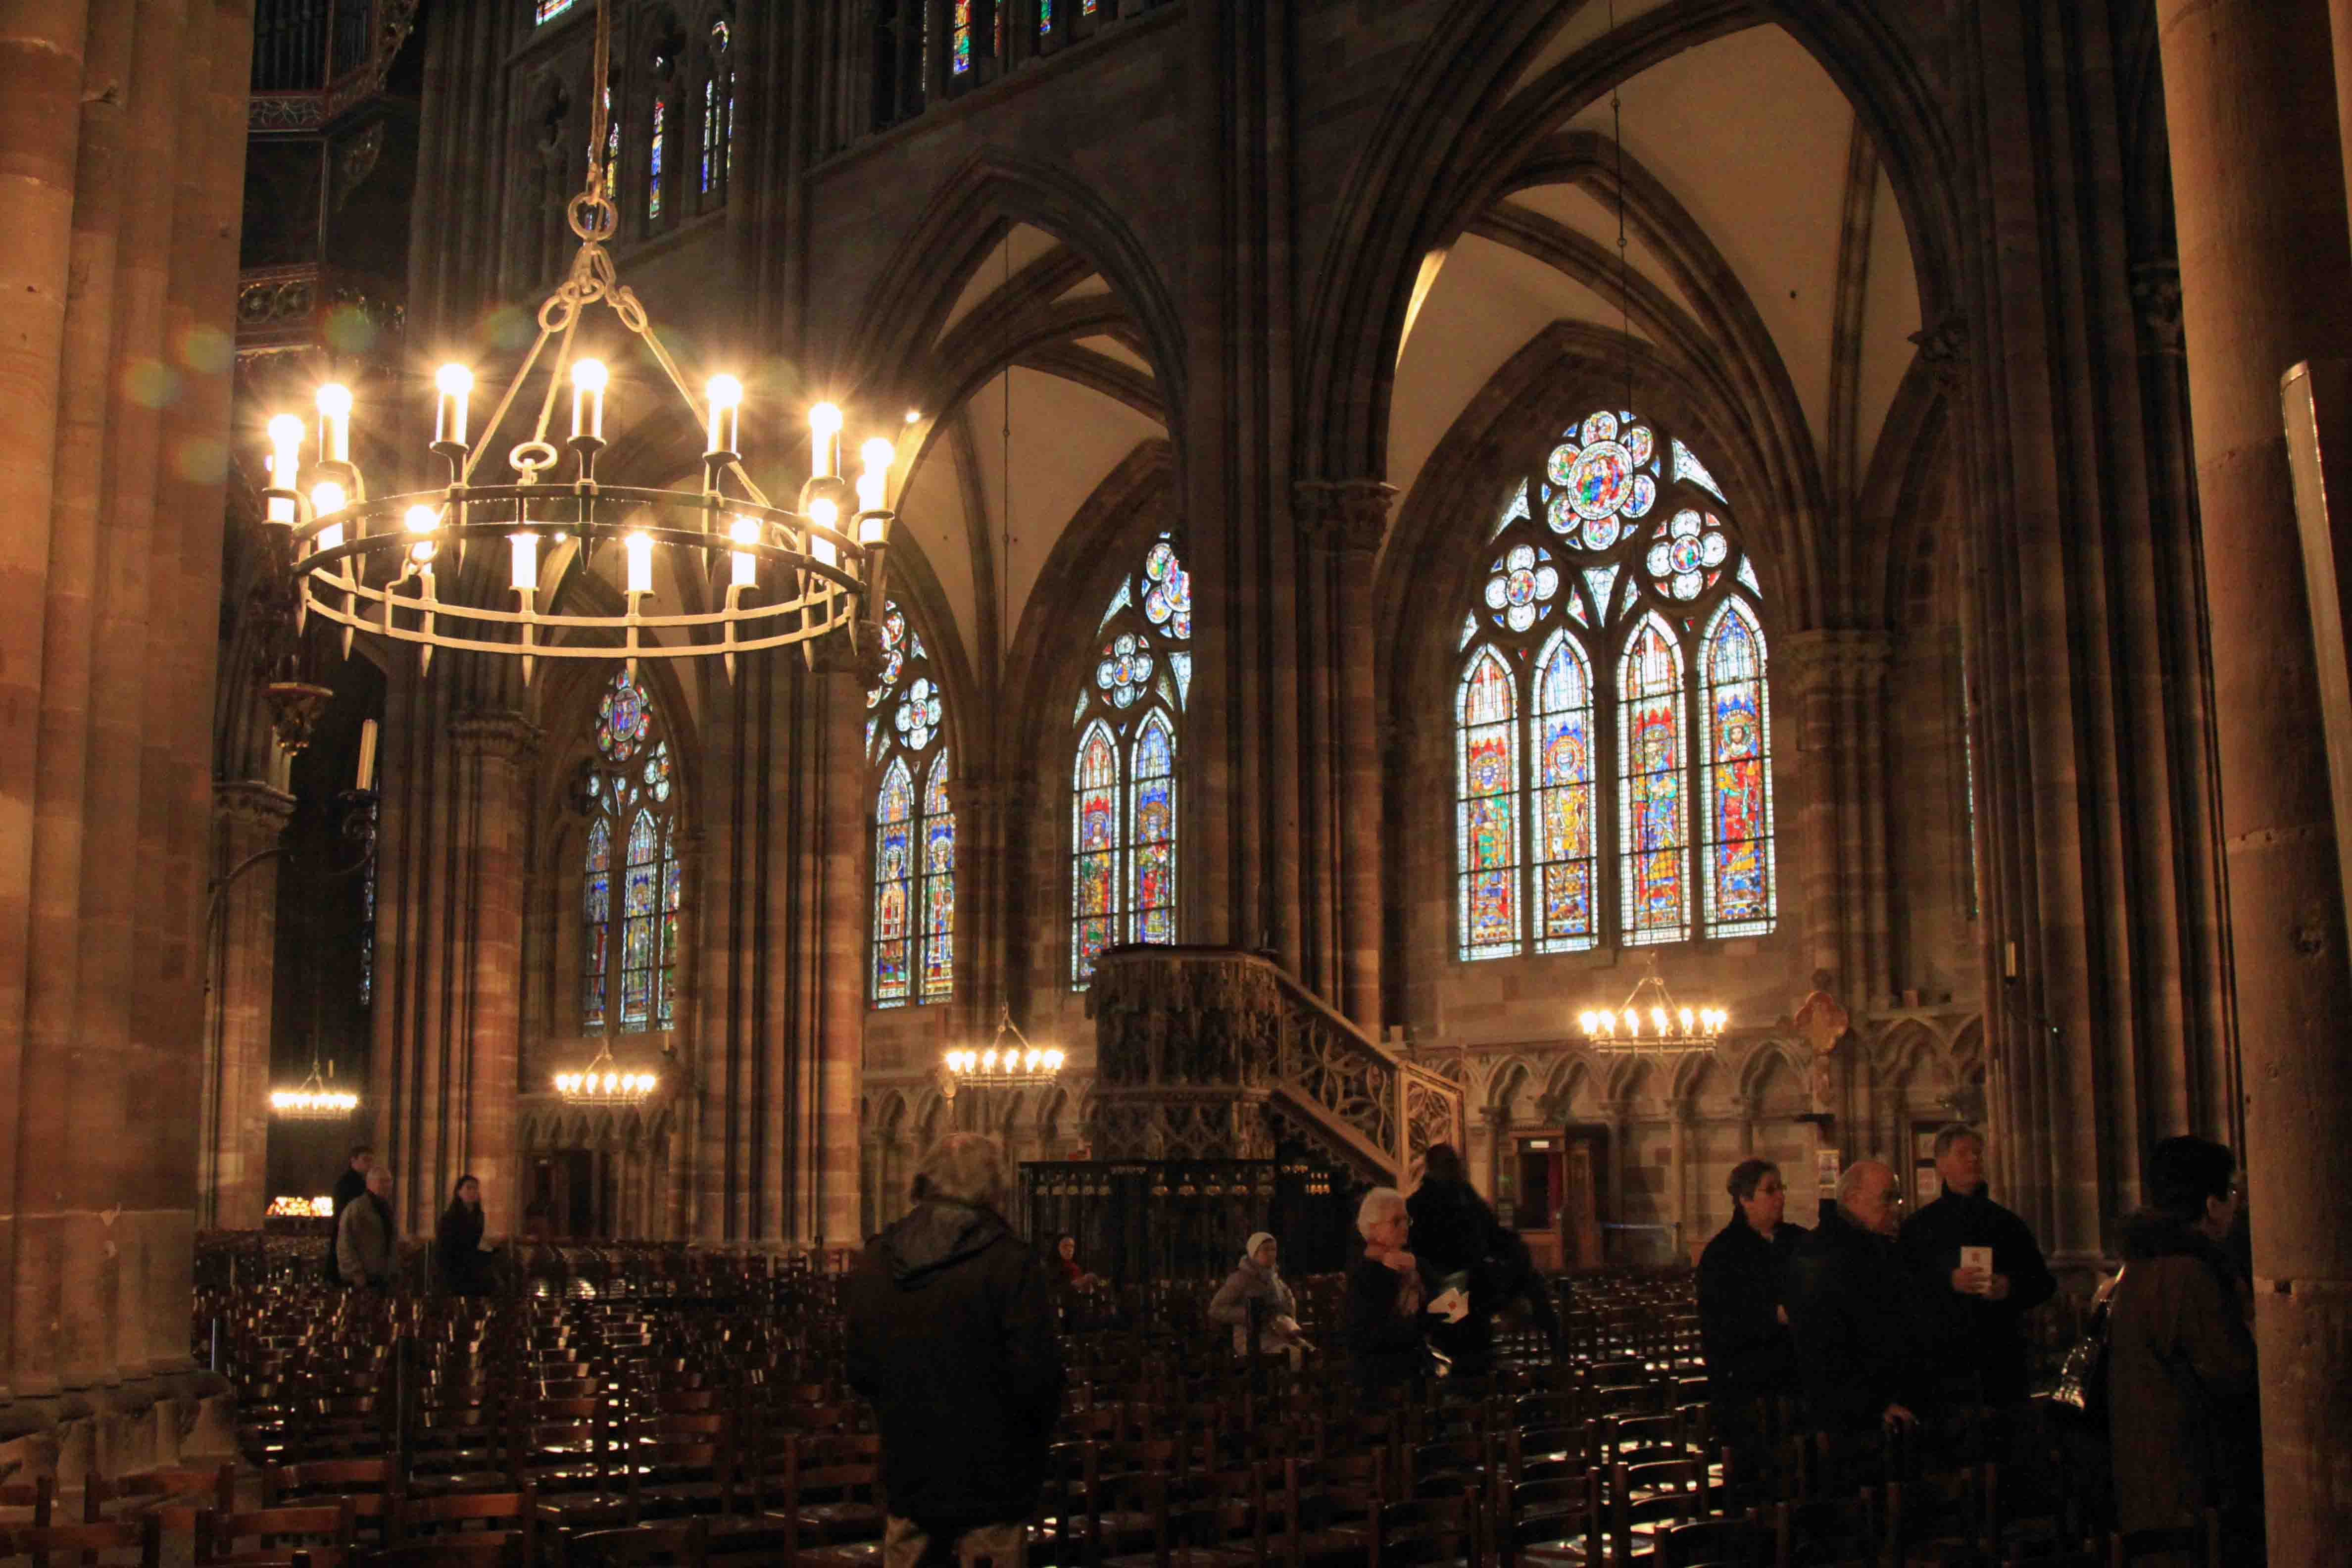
[
  {"x": 854, "y": 648},
  {"x": 1854, "y": 660},
  {"x": 1946, "y": 347},
  {"x": 1344, "y": 514},
  {"x": 252, "y": 806},
  {"x": 501, "y": 737}
]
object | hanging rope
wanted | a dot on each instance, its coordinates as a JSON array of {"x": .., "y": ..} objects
[{"x": 1004, "y": 586}]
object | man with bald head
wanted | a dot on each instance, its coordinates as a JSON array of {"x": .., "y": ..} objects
[{"x": 1853, "y": 1313}]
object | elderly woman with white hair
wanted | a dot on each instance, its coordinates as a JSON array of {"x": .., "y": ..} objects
[{"x": 1384, "y": 1300}]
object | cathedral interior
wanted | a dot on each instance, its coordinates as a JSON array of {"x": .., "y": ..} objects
[{"x": 1627, "y": 584}]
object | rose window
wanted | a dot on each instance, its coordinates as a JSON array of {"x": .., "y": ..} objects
[
  {"x": 1522, "y": 588},
  {"x": 1168, "y": 599},
  {"x": 1125, "y": 668},
  {"x": 1688, "y": 554},
  {"x": 919, "y": 714},
  {"x": 622, "y": 719},
  {"x": 1603, "y": 476}
]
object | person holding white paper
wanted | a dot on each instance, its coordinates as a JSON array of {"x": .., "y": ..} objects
[{"x": 1980, "y": 1271}]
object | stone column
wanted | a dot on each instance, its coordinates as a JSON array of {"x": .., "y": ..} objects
[
  {"x": 241, "y": 970},
  {"x": 2265, "y": 267},
  {"x": 499, "y": 750},
  {"x": 1349, "y": 520},
  {"x": 848, "y": 663},
  {"x": 1831, "y": 705}
]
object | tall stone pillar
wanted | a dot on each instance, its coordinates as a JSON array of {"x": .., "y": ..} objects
[
  {"x": 1347, "y": 520},
  {"x": 1833, "y": 713},
  {"x": 497, "y": 751},
  {"x": 241, "y": 972},
  {"x": 2265, "y": 267},
  {"x": 848, "y": 665}
]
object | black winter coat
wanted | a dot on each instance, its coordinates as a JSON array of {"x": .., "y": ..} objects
[
  {"x": 348, "y": 1185},
  {"x": 1968, "y": 1335},
  {"x": 2183, "y": 1402},
  {"x": 1455, "y": 1231},
  {"x": 1742, "y": 1285},
  {"x": 1852, "y": 1313},
  {"x": 1383, "y": 1345},
  {"x": 950, "y": 1337},
  {"x": 465, "y": 1268}
]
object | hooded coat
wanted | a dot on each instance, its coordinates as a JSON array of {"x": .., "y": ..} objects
[
  {"x": 2183, "y": 1409},
  {"x": 950, "y": 1337},
  {"x": 1253, "y": 1281}
]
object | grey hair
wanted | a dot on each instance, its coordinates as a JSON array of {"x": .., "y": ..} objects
[
  {"x": 1952, "y": 1133},
  {"x": 966, "y": 1167},
  {"x": 1375, "y": 1208},
  {"x": 1850, "y": 1182}
]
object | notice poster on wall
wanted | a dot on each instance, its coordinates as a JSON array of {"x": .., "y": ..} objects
[{"x": 1825, "y": 1173}]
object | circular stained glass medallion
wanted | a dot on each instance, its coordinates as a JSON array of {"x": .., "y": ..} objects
[
  {"x": 1688, "y": 554},
  {"x": 1125, "y": 669},
  {"x": 622, "y": 719},
  {"x": 1522, "y": 588}
]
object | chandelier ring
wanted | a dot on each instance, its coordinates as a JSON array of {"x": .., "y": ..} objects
[
  {"x": 592, "y": 217},
  {"x": 626, "y": 306},
  {"x": 534, "y": 458}
]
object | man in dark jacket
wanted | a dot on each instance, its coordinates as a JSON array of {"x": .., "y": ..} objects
[
  {"x": 1743, "y": 1319},
  {"x": 950, "y": 1337},
  {"x": 1459, "y": 1242},
  {"x": 1975, "y": 1327},
  {"x": 348, "y": 1185},
  {"x": 1850, "y": 1308}
]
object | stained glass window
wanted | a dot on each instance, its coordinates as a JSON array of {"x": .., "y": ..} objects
[
  {"x": 960, "y": 62},
  {"x": 655, "y": 142},
  {"x": 1487, "y": 802},
  {"x": 1655, "y": 822},
  {"x": 1735, "y": 733},
  {"x": 717, "y": 113},
  {"x": 1124, "y": 786},
  {"x": 612, "y": 145},
  {"x": 894, "y": 885},
  {"x": 631, "y": 861},
  {"x": 914, "y": 825},
  {"x": 1564, "y": 818},
  {"x": 547, "y": 10},
  {"x": 1622, "y": 724}
]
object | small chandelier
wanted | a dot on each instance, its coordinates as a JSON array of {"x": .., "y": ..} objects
[
  {"x": 1001, "y": 1065},
  {"x": 604, "y": 1083},
  {"x": 1650, "y": 1020},
  {"x": 778, "y": 576},
  {"x": 312, "y": 1101}
]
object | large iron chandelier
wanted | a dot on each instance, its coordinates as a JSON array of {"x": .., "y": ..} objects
[
  {"x": 376, "y": 563},
  {"x": 604, "y": 1083},
  {"x": 1649, "y": 1022},
  {"x": 1001, "y": 1065}
]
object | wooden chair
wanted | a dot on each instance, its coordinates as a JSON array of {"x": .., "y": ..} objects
[
  {"x": 687, "y": 1543},
  {"x": 2199, "y": 1542},
  {"x": 37, "y": 1496},
  {"x": 445, "y": 1521},
  {"x": 1551, "y": 1520},
  {"x": 93, "y": 1543},
  {"x": 1428, "y": 1533},
  {"x": 370, "y": 1484},
  {"x": 1727, "y": 1543},
  {"x": 327, "y": 1533}
]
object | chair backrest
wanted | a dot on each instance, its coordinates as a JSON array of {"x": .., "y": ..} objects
[
  {"x": 687, "y": 1543},
  {"x": 1427, "y": 1529},
  {"x": 2199, "y": 1542},
  {"x": 95, "y": 1543},
  {"x": 40, "y": 1495},
  {"x": 1732, "y": 1543},
  {"x": 334, "y": 1525}
]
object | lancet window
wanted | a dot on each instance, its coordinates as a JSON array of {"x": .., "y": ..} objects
[
  {"x": 913, "y": 942},
  {"x": 1127, "y": 724},
  {"x": 1612, "y": 666},
  {"x": 632, "y": 880}
]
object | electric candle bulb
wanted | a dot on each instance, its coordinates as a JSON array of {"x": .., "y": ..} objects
[
  {"x": 423, "y": 521},
  {"x": 1658, "y": 1019},
  {"x": 824, "y": 514},
  {"x": 1633, "y": 1022},
  {"x": 745, "y": 530},
  {"x": 588, "y": 399},
  {"x": 335, "y": 423},
  {"x": 455, "y": 382},
  {"x": 286, "y": 450},
  {"x": 873, "y": 485},
  {"x": 824, "y": 424},
  {"x": 641, "y": 563},
  {"x": 366, "y": 779},
  {"x": 326, "y": 497},
  {"x": 726, "y": 395},
  {"x": 526, "y": 562},
  {"x": 1686, "y": 1020}
]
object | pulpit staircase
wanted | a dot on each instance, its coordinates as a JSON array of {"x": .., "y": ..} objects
[{"x": 1217, "y": 1053}]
